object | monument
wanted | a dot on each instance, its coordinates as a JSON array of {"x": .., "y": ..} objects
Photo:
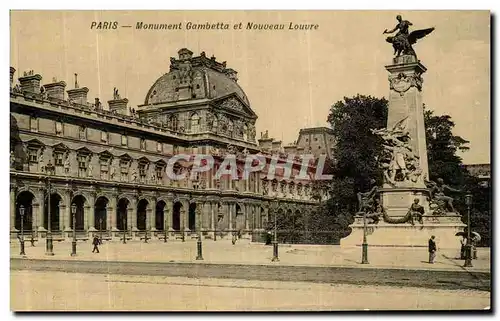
[{"x": 407, "y": 209}]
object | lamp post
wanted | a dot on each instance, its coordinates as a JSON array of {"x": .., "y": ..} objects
[
  {"x": 124, "y": 232},
  {"x": 275, "y": 237},
  {"x": 468, "y": 246},
  {"x": 73, "y": 243},
  {"x": 199, "y": 243},
  {"x": 49, "y": 245},
  {"x": 21, "y": 239},
  {"x": 364, "y": 257}
]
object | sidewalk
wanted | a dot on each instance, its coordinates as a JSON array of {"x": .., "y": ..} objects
[{"x": 246, "y": 253}]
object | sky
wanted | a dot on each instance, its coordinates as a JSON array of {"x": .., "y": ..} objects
[{"x": 290, "y": 77}]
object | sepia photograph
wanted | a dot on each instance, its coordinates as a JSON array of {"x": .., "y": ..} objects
[{"x": 244, "y": 160}]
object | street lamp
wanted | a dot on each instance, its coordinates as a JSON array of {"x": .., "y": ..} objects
[
  {"x": 50, "y": 244},
  {"x": 364, "y": 258},
  {"x": 73, "y": 243},
  {"x": 275, "y": 238},
  {"x": 21, "y": 211},
  {"x": 468, "y": 247},
  {"x": 199, "y": 244}
]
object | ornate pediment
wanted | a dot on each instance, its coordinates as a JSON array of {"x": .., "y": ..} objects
[{"x": 234, "y": 103}]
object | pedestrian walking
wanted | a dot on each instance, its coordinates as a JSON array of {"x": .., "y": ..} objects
[
  {"x": 432, "y": 249},
  {"x": 463, "y": 242},
  {"x": 96, "y": 243}
]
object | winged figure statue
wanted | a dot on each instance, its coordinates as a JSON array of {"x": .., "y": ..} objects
[{"x": 403, "y": 40}]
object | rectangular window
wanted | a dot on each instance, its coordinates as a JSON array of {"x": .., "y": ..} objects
[
  {"x": 33, "y": 155},
  {"x": 142, "y": 172},
  {"x": 124, "y": 170},
  {"x": 104, "y": 169},
  {"x": 59, "y": 159},
  {"x": 34, "y": 124},
  {"x": 159, "y": 172},
  {"x": 124, "y": 140},
  {"x": 59, "y": 128},
  {"x": 104, "y": 137},
  {"x": 82, "y": 165}
]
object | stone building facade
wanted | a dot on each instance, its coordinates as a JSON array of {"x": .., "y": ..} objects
[{"x": 110, "y": 161}]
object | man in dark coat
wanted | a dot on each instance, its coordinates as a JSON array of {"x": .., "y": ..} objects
[
  {"x": 96, "y": 243},
  {"x": 432, "y": 249}
]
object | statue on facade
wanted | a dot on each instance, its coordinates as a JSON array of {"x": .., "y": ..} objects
[
  {"x": 112, "y": 172},
  {"x": 116, "y": 95},
  {"x": 90, "y": 172},
  {"x": 134, "y": 175},
  {"x": 210, "y": 121},
  {"x": 67, "y": 165},
  {"x": 17, "y": 89},
  {"x": 251, "y": 133},
  {"x": 416, "y": 212},
  {"x": 399, "y": 163},
  {"x": 403, "y": 40},
  {"x": 41, "y": 162},
  {"x": 439, "y": 200}
]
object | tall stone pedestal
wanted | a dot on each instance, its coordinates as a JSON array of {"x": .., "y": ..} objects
[{"x": 407, "y": 235}]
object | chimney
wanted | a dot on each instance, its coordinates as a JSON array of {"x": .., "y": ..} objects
[
  {"x": 185, "y": 53},
  {"x": 12, "y": 71},
  {"x": 118, "y": 105},
  {"x": 276, "y": 146},
  {"x": 78, "y": 95},
  {"x": 55, "y": 89},
  {"x": 30, "y": 83},
  {"x": 231, "y": 74}
]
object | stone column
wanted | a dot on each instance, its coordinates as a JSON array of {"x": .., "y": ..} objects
[
  {"x": 130, "y": 217},
  {"x": 63, "y": 215},
  {"x": 230, "y": 213},
  {"x": 152, "y": 216},
  {"x": 13, "y": 207},
  {"x": 168, "y": 214},
  {"x": 185, "y": 215},
  {"x": 67, "y": 214},
  {"x": 40, "y": 213},
  {"x": 213, "y": 206},
  {"x": 89, "y": 214},
  {"x": 149, "y": 219},
  {"x": 112, "y": 215},
  {"x": 36, "y": 214}
]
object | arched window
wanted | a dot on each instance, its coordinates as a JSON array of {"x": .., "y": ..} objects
[
  {"x": 194, "y": 123},
  {"x": 174, "y": 123}
]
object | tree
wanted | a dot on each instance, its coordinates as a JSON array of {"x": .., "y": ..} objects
[{"x": 442, "y": 148}]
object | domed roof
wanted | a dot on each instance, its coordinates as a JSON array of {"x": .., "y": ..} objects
[{"x": 194, "y": 78}]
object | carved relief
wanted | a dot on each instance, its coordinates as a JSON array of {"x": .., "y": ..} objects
[
  {"x": 402, "y": 82},
  {"x": 232, "y": 103}
]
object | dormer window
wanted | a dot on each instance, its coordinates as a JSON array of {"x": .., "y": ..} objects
[{"x": 124, "y": 166}]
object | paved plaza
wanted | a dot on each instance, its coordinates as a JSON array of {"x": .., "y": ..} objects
[
  {"x": 55, "y": 291},
  {"x": 247, "y": 253}
]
